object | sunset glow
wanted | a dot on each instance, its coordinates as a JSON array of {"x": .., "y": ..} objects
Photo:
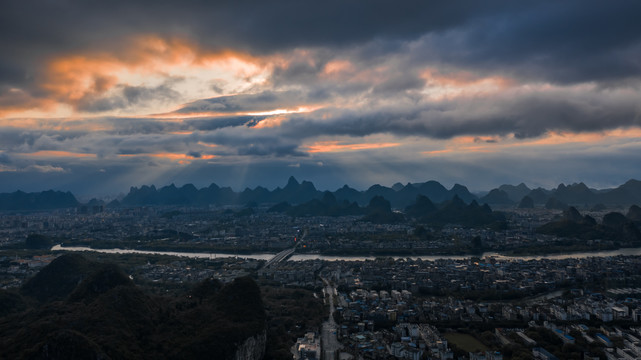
[
  {"x": 335, "y": 146},
  {"x": 56, "y": 154},
  {"x": 220, "y": 92}
]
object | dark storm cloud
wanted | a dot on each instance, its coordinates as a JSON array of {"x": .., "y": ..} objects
[
  {"x": 512, "y": 113},
  {"x": 127, "y": 96},
  {"x": 264, "y": 149},
  {"x": 208, "y": 124},
  {"x": 565, "y": 42},
  {"x": 124, "y": 126},
  {"x": 239, "y": 141},
  {"x": 404, "y": 82},
  {"x": 494, "y": 33},
  {"x": 523, "y": 116},
  {"x": 299, "y": 71},
  {"x": 136, "y": 151},
  {"x": 129, "y": 126},
  {"x": 12, "y": 139},
  {"x": 5, "y": 159},
  {"x": 561, "y": 66},
  {"x": 263, "y": 101}
]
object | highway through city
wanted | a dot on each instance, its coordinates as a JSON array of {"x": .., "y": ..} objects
[{"x": 329, "y": 341}]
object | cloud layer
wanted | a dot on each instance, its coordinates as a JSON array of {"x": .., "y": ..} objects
[{"x": 249, "y": 92}]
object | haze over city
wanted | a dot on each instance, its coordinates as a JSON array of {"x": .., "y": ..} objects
[{"x": 96, "y": 97}]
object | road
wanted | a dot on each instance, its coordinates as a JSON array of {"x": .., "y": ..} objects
[
  {"x": 283, "y": 255},
  {"x": 329, "y": 342},
  {"x": 280, "y": 257}
]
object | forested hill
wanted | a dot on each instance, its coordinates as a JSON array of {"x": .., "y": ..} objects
[{"x": 79, "y": 309}]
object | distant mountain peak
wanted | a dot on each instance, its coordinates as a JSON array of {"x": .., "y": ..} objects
[
  {"x": 497, "y": 196},
  {"x": 572, "y": 214},
  {"x": 632, "y": 182},
  {"x": 292, "y": 182},
  {"x": 526, "y": 203},
  {"x": 189, "y": 187},
  {"x": 515, "y": 193},
  {"x": 308, "y": 184}
]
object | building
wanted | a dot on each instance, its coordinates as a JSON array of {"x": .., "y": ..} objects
[
  {"x": 541, "y": 353},
  {"x": 307, "y": 347}
]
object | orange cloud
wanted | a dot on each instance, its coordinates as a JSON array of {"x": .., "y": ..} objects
[
  {"x": 436, "y": 152},
  {"x": 559, "y": 137},
  {"x": 337, "y": 68},
  {"x": 70, "y": 78},
  {"x": 69, "y": 124},
  {"x": 300, "y": 109},
  {"x": 5, "y": 168},
  {"x": 441, "y": 85},
  {"x": 180, "y": 158},
  {"x": 373, "y": 76},
  {"x": 491, "y": 144},
  {"x": 207, "y": 144},
  {"x": 57, "y": 154},
  {"x": 174, "y": 116},
  {"x": 270, "y": 122},
  {"x": 335, "y": 146},
  {"x": 17, "y": 100},
  {"x": 463, "y": 79}
]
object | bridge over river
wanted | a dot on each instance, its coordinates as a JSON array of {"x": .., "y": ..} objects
[
  {"x": 281, "y": 256},
  {"x": 285, "y": 254}
]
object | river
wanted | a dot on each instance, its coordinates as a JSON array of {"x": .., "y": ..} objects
[
  {"x": 193, "y": 255},
  {"x": 302, "y": 257}
]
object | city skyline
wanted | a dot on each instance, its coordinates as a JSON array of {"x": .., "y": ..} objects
[{"x": 97, "y": 97}]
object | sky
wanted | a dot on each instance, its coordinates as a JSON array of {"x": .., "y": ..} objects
[{"x": 98, "y": 96}]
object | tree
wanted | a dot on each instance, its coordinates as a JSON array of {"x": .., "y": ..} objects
[{"x": 38, "y": 241}]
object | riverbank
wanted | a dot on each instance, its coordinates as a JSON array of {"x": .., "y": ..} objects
[{"x": 303, "y": 257}]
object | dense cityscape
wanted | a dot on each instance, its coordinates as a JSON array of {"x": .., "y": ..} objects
[{"x": 403, "y": 289}]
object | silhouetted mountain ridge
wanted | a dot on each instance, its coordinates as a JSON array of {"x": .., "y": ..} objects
[
  {"x": 574, "y": 194},
  {"x": 295, "y": 193},
  {"x": 614, "y": 227},
  {"x": 455, "y": 211},
  {"x": 515, "y": 193},
  {"x": 44, "y": 200}
]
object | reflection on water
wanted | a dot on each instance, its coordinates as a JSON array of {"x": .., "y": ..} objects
[{"x": 302, "y": 257}]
